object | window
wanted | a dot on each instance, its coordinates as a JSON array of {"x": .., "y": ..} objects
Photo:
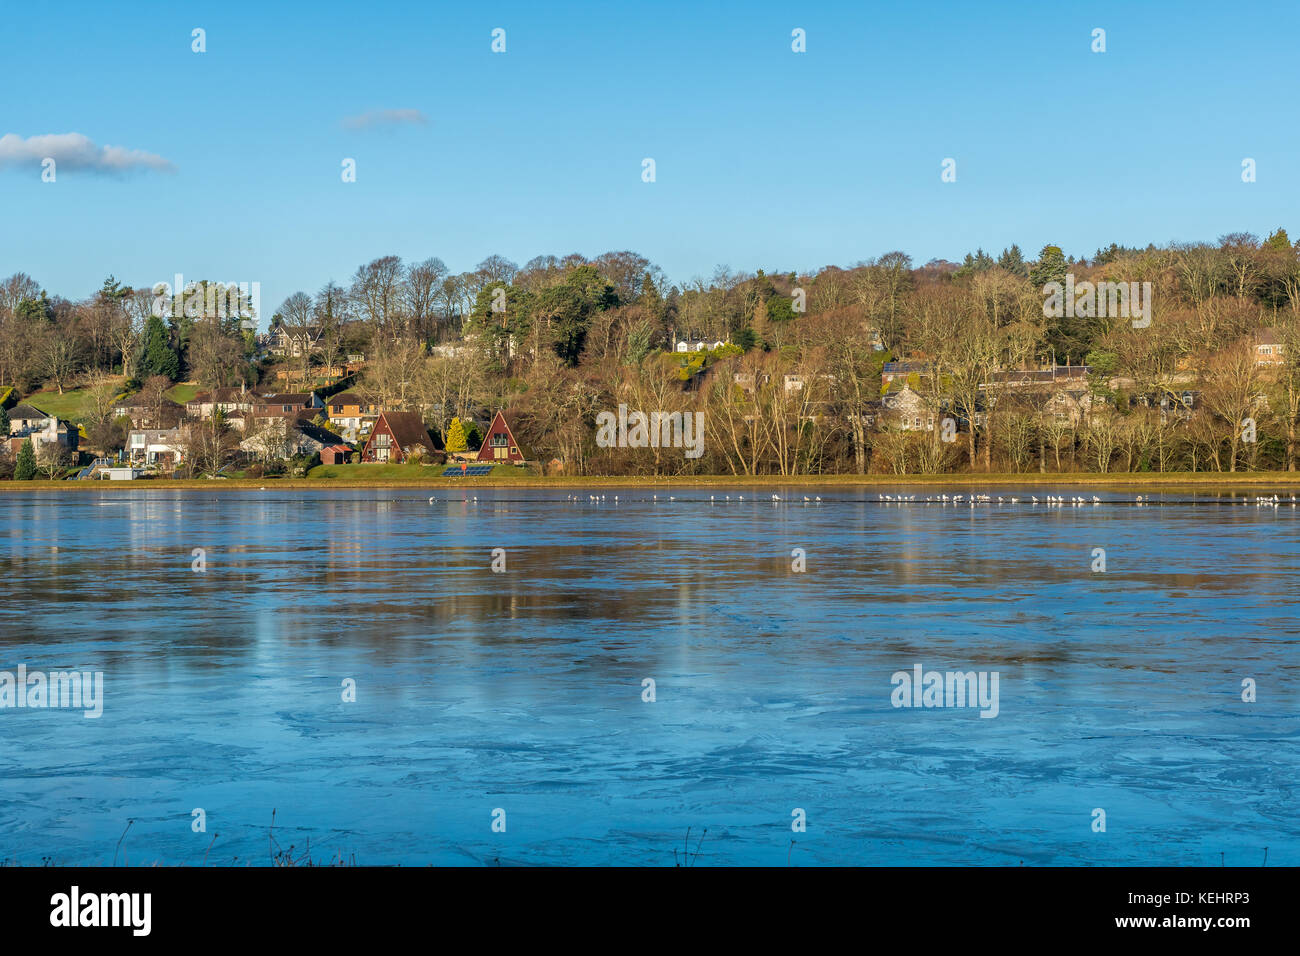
[
  {"x": 499, "y": 441},
  {"x": 383, "y": 441}
]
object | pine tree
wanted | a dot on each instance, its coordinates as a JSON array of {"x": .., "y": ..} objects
[
  {"x": 456, "y": 440},
  {"x": 4, "y": 423},
  {"x": 1013, "y": 261},
  {"x": 158, "y": 357},
  {"x": 1050, "y": 267},
  {"x": 1279, "y": 240},
  {"x": 25, "y": 466}
]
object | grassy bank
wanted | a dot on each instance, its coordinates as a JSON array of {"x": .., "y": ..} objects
[{"x": 415, "y": 476}]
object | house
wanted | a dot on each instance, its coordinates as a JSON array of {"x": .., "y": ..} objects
[
  {"x": 26, "y": 419},
  {"x": 351, "y": 414},
  {"x": 228, "y": 401},
  {"x": 142, "y": 414},
  {"x": 1268, "y": 347},
  {"x": 450, "y": 350},
  {"x": 1066, "y": 376},
  {"x": 28, "y": 422},
  {"x": 155, "y": 446},
  {"x": 291, "y": 405},
  {"x": 750, "y": 380},
  {"x": 286, "y": 404},
  {"x": 335, "y": 455},
  {"x": 285, "y": 341},
  {"x": 1068, "y": 406},
  {"x": 279, "y": 437},
  {"x": 499, "y": 443},
  {"x": 308, "y": 439},
  {"x": 908, "y": 410},
  {"x": 399, "y": 437}
]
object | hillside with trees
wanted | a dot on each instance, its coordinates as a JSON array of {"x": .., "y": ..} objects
[{"x": 882, "y": 366}]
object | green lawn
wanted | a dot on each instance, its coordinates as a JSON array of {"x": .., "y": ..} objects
[
  {"x": 376, "y": 472},
  {"x": 71, "y": 405},
  {"x": 74, "y": 403},
  {"x": 180, "y": 394}
]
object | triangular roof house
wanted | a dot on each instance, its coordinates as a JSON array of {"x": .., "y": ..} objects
[
  {"x": 499, "y": 443},
  {"x": 396, "y": 436}
]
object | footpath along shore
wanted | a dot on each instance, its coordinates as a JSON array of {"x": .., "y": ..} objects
[{"x": 1169, "y": 481}]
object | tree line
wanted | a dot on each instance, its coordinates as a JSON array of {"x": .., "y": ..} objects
[{"x": 796, "y": 387}]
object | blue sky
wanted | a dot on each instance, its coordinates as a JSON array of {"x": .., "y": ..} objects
[{"x": 764, "y": 158}]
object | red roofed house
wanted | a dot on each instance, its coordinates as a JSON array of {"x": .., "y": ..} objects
[
  {"x": 397, "y": 437},
  {"x": 499, "y": 444}
]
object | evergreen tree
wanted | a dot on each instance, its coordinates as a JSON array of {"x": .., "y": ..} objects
[
  {"x": 651, "y": 300},
  {"x": 30, "y": 311},
  {"x": 981, "y": 261},
  {"x": 456, "y": 439},
  {"x": 158, "y": 356},
  {"x": 25, "y": 466},
  {"x": 1279, "y": 240},
  {"x": 4, "y": 423},
  {"x": 1050, "y": 267},
  {"x": 1013, "y": 261}
]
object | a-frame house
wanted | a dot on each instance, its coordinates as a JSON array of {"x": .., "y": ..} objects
[{"x": 499, "y": 443}]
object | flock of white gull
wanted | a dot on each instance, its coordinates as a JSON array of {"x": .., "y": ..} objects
[{"x": 1058, "y": 501}]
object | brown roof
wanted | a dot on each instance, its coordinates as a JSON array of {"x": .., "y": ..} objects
[
  {"x": 288, "y": 398},
  {"x": 408, "y": 429},
  {"x": 347, "y": 398},
  {"x": 227, "y": 393},
  {"x": 27, "y": 412},
  {"x": 1035, "y": 376}
]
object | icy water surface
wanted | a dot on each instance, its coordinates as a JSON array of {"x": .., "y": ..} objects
[{"x": 1118, "y": 689}]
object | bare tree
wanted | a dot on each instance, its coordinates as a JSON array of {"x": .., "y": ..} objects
[
  {"x": 299, "y": 319},
  {"x": 377, "y": 292},
  {"x": 421, "y": 290}
]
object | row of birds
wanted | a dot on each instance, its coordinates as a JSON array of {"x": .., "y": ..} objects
[
  {"x": 674, "y": 498},
  {"x": 1261, "y": 501},
  {"x": 988, "y": 499}
]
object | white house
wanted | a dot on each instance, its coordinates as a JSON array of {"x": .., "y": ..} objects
[
  {"x": 155, "y": 446},
  {"x": 27, "y": 422}
]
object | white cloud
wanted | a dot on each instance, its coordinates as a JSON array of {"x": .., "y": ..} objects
[
  {"x": 374, "y": 118},
  {"x": 75, "y": 151}
]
